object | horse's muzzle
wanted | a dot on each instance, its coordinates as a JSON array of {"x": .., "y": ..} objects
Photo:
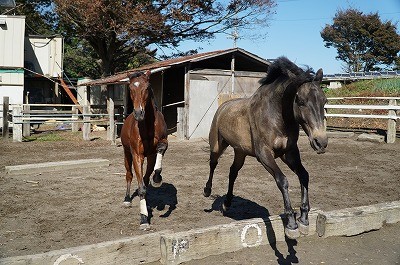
[
  {"x": 319, "y": 143},
  {"x": 138, "y": 114}
]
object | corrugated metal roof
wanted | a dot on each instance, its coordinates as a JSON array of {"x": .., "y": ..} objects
[{"x": 162, "y": 65}]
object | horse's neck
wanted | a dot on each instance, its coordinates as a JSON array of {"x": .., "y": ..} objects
[
  {"x": 276, "y": 101},
  {"x": 146, "y": 126}
]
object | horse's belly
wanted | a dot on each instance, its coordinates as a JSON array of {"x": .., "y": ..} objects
[{"x": 235, "y": 130}]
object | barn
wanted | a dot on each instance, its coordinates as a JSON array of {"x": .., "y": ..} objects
[{"x": 189, "y": 89}]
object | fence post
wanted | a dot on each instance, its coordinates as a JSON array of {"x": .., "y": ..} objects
[
  {"x": 86, "y": 122},
  {"x": 391, "y": 127},
  {"x": 26, "y": 126},
  {"x": 6, "y": 107},
  {"x": 111, "y": 123},
  {"x": 75, "y": 123},
  {"x": 17, "y": 123}
]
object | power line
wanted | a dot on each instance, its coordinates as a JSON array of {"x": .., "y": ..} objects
[{"x": 323, "y": 18}]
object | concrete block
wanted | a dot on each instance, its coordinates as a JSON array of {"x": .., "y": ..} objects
[
  {"x": 200, "y": 243},
  {"x": 357, "y": 220},
  {"x": 56, "y": 166},
  {"x": 375, "y": 138},
  {"x": 132, "y": 250}
]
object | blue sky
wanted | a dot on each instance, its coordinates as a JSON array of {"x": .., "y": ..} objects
[{"x": 294, "y": 31}]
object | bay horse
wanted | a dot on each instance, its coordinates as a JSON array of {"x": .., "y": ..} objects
[
  {"x": 143, "y": 134},
  {"x": 266, "y": 126}
]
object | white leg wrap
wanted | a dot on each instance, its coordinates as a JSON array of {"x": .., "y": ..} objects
[
  {"x": 158, "y": 161},
  {"x": 143, "y": 207}
]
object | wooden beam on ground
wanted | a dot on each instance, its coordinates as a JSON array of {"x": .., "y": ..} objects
[
  {"x": 175, "y": 248},
  {"x": 133, "y": 250},
  {"x": 357, "y": 220},
  {"x": 56, "y": 166},
  {"x": 69, "y": 93},
  {"x": 200, "y": 243}
]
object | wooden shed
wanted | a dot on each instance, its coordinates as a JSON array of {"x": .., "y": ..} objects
[{"x": 189, "y": 89}]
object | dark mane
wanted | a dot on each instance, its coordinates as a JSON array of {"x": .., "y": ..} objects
[{"x": 284, "y": 67}]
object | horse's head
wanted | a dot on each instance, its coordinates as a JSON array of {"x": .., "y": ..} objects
[
  {"x": 140, "y": 93},
  {"x": 309, "y": 111}
]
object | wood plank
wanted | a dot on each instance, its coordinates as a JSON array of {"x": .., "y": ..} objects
[
  {"x": 46, "y": 111},
  {"x": 132, "y": 250},
  {"x": 200, "y": 243},
  {"x": 56, "y": 166},
  {"x": 357, "y": 220},
  {"x": 69, "y": 93}
]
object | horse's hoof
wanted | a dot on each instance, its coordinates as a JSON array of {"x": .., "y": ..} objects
[
  {"x": 127, "y": 204},
  {"x": 304, "y": 229},
  {"x": 144, "y": 226},
  {"x": 292, "y": 233},
  {"x": 207, "y": 192},
  {"x": 155, "y": 184}
]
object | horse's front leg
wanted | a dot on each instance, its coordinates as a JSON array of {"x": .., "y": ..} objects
[
  {"x": 267, "y": 160},
  {"x": 157, "y": 178},
  {"x": 144, "y": 215},
  {"x": 292, "y": 159}
]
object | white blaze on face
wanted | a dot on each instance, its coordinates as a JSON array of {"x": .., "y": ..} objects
[
  {"x": 143, "y": 207},
  {"x": 136, "y": 84},
  {"x": 158, "y": 162}
]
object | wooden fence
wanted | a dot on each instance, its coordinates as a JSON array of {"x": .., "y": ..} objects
[
  {"x": 391, "y": 108},
  {"x": 80, "y": 117},
  {"x": 26, "y": 114}
]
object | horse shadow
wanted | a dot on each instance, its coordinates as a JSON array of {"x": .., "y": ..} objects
[
  {"x": 161, "y": 198},
  {"x": 242, "y": 209}
]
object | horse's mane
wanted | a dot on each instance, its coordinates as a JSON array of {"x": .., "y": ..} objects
[{"x": 284, "y": 67}]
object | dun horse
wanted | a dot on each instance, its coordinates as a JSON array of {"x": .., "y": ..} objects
[
  {"x": 144, "y": 134},
  {"x": 266, "y": 126}
]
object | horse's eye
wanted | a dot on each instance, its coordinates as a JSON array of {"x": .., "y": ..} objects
[{"x": 299, "y": 101}]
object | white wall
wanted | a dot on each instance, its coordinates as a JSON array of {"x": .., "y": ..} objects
[
  {"x": 12, "y": 34},
  {"x": 44, "y": 55}
]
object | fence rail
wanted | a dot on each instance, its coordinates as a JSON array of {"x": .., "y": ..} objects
[
  {"x": 392, "y": 112},
  {"x": 24, "y": 115}
]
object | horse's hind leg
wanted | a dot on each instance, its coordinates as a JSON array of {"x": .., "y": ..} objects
[
  {"x": 157, "y": 178},
  {"x": 128, "y": 177},
  {"x": 292, "y": 159},
  {"x": 233, "y": 172},
  {"x": 216, "y": 150}
]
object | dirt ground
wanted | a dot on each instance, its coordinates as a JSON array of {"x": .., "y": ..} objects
[{"x": 49, "y": 211}]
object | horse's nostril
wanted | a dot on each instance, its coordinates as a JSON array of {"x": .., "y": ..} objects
[{"x": 317, "y": 143}]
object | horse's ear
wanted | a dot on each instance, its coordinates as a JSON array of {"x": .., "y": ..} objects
[{"x": 319, "y": 75}]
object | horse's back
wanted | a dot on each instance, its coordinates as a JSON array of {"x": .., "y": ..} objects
[{"x": 231, "y": 124}]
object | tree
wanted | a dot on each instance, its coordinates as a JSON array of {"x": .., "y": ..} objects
[
  {"x": 363, "y": 42},
  {"x": 117, "y": 31},
  {"x": 37, "y": 20}
]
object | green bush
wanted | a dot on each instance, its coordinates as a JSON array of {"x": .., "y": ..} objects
[{"x": 367, "y": 88}]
